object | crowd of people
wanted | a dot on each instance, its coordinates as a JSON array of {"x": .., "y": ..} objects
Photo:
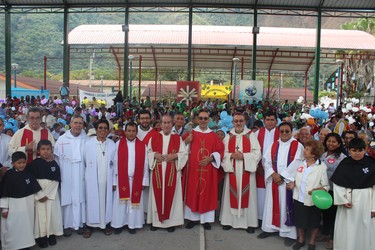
[{"x": 69, "y": 166}]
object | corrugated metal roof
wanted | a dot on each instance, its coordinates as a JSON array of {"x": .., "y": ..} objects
[
  {"x": 220, "y": 36},
  {"x": 215, "y": 46}
]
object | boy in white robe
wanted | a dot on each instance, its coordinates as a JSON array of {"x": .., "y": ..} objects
[
  {"x": 354, "y": 195},
  {"x": 17, "y": 205},
  {"x": 48, "y": 218}
]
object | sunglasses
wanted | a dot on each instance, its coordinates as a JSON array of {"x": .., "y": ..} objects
[
  {"x": 203, "y": 118},
  {"x": 284, "y": 131}
]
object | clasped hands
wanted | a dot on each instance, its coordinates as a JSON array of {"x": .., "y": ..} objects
[
  {"x": 169, "y": 157},
  {"x": 237, "y": 155},
  {"x": 277, "y": 179}
]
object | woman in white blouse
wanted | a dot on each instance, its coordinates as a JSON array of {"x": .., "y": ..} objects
[{"x": 310, "y": 175}]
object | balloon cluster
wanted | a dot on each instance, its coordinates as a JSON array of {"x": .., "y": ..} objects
[
  {"x": 10, "y": 124},
  {"x": 2, "y": 101},
  {"x": 62, "y": 121},
  {"x": 225, "y": 121},
  {"x": 43, "y": 101},
  {"x": 318, "y": 113},
  {"x": 57, "y": 101},
  {"x": 69, "y": 110}
]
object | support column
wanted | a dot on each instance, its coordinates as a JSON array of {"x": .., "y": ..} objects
[
  {"x": 125, "y": 29},
  {"x": 8, "y": 53},
  {"x": 66, "y": 48},
  {"x": 254, "y": 52},
  {"x": 190, "y": 41},
  {"x": 317, "y": 55}
]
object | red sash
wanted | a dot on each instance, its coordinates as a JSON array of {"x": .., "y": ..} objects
[
  {"x": 123, "y": 177},
  {"x": 234, "y": 195},
  {"x": 28, "y": 137},
  {"x": 259, "y": 175},
  {"x": 275, "y": 188},
  {"x": 170, "y": 175},
  {"x": 149, "y": 135}
]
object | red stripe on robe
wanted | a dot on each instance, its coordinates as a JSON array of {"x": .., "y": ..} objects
[
  {"x": 259, "y": 175},
  {"x": 123, "y": 174},
  {"x": 169, "y": 183},
  {"x": 150, "y": 135},
  {"x": 246, "y": 148},
  {"x": 275, "y": 188},
  {"x": 28, "y": 137}
]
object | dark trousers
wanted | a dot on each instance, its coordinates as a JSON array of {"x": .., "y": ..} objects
[{"x": 329, "y": 217}]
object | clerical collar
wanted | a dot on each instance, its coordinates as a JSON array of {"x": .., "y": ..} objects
[{"x": 144, "y": 129}]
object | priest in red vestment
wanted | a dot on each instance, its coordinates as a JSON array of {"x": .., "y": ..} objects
[
  {"x": 27, "y": 138},
  {"x": 201, "y": 174}
]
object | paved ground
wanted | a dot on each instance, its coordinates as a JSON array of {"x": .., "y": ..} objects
[{"x": 195, "y": 239}]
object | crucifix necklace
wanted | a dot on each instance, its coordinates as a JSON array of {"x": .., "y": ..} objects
[{"x": 102, "y": 147}]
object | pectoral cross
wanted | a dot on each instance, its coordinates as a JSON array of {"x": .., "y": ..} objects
[
  {"x": 237, "y": 148},
  {"x": 62, "y": 148}
]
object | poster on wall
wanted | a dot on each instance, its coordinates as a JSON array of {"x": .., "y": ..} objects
[
  {"x": 251, "y": 90},
  {"x": 188, "y": 91}
]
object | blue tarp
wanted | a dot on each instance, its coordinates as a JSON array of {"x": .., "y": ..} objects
[{"x": 31, "y": 92}]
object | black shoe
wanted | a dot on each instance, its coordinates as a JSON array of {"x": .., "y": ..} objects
[
  {"x": 311, "y": 247},
  {"x": 117, "y": 230},
  {"x": 289, "y": 242},
  {"x": 250, "y": 230},
  {"x": 42, "y": 242},
  {"x": 226, "y": 228},
  {"x": 298, "y": 245},
  {"x": 68, "y": 232},
  {"x": 190, "y": 224},
  {"x": 171, "y": 229},
  {"x": 207, "y": 226},
  {"x": 52, "y": 240},
  {"x": 80, "y": 231},
  {"x": 132, "y": 231},
  {"x": 264, "y": 235},
  {"x": 152, "y": 228}
]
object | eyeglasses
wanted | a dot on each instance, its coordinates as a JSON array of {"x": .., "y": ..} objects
[
  {"x": 284, "y": 131},
  {"x": 238, "y": 121},
  {"x": 103, "y": 128},
  {"x": 203, "y": 118}
]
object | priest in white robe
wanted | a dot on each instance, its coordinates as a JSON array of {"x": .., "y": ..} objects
[
  {"x": 4, "y": 145},
  {"x": 99, "y": 155},
  {"x": 131, "y": 175},
  {"x": 69, "y": 154},
  {"x": 278, "y": 157},
  {"x": 241, "y": 156},
  {"x": 166, "y": 155}
]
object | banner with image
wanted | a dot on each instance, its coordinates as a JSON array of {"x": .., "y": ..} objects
[
  {"x": 215, "y": 91},
  {"x": 251, "y": 90},
  {"x": 107, "y": 97}
]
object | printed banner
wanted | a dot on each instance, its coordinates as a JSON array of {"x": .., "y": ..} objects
[
  {"x": 215, "y": 91},
  {"x": 188, "y": 91},
  {"x": 251, "y": 90},
  {"x": 107, "y": 97}
]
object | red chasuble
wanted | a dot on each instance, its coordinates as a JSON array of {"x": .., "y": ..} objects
[
  {"x": 150, "y": 135},
  {"x": 169, "y": 183},
  {"x": 260, "y": 174},
  {"x": 123, "y": 177},
  {"x": 202, "y": 182},
  {"x": 28, "y": 137},
  {"x": 246, "y": 148},
  {"x": 275, "y": 188}
]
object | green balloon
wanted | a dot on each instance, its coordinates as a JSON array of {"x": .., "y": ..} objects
[{"x": 322, "y": 199}]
